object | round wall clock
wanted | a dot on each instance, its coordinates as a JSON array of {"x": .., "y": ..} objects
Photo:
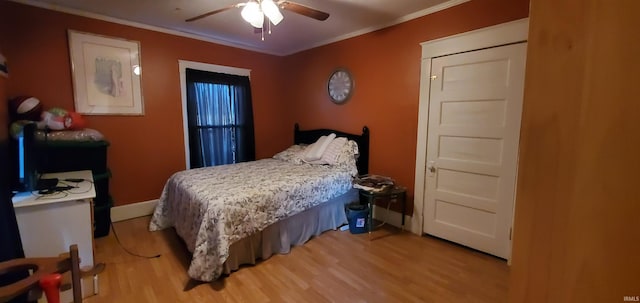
[{"x": 340, "y": 86}]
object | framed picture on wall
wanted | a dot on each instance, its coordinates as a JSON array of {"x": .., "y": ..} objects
[{"x": 106, "y": 75}]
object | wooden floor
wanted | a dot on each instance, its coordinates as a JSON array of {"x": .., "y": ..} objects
[{"x": 333, "y": 267}]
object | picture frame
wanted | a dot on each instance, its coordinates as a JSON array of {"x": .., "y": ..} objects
[{"x": 106, "y": 74}]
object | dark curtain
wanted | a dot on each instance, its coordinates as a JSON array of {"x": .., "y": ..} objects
[{"x": 220, "y": 118}]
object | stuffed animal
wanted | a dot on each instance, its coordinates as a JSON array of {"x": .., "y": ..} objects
[
  {"x": 27, "y": 108},
  {"x": 16, "y": 127},
  {"x": 60, "y": 119},
  {"x": 76, "y": 121}
]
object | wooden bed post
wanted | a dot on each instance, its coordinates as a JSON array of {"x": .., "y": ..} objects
[{"x": 363, "y": 160}]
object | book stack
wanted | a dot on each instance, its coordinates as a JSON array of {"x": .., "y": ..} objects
[{"x": 373, "y": 183}]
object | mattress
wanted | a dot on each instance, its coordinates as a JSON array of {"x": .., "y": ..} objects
[{"x": 212, "y": 208}]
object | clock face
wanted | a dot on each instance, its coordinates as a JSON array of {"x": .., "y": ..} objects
[{"x": 340, "y": 86}]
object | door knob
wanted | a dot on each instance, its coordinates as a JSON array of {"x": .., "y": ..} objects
[{"x": 431, "y": 167}]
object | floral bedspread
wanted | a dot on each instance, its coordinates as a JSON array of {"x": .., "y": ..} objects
[{"x": 213, "y": 207}]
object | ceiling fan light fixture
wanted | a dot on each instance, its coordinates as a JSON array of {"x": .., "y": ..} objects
[
  {"x": 252, "y": 14},
  {"x": 272, "y": 12}
]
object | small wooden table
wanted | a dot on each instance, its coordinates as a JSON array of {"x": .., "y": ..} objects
[{"x": 393, "y": 194}]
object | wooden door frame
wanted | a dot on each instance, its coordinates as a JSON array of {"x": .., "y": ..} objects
[{"x": 501, "y": 34}]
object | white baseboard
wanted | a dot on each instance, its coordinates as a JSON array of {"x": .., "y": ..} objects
[
  {"x": 134, "y": 210},
  {"x": 394, "y": 218}
]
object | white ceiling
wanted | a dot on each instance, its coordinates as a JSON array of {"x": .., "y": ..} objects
[{"x": 348, "y": 18}]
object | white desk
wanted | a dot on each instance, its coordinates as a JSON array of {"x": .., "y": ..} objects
[{"x": 49, "y": 224}]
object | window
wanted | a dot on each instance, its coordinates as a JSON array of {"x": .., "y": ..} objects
[{"x": 219, "y": 118}]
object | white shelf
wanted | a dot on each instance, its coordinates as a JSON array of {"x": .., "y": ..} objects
[{"x": 84, "y": 190}]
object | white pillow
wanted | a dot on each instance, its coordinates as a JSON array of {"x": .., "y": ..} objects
[
  {"x": 346, "y": 159},
  {"x": 311, "y": 149},
  {"x": 292, "y": 154},
  {"x": 332, "y": 152},
  {"x": 314, "y": 151}
]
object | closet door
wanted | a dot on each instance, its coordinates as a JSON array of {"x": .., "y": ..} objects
[{"x": 475, "y": 107}]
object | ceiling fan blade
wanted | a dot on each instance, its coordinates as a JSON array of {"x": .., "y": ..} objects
[
  {"x": 303, "y": 10},
  {"x": 212, "y": 13}
]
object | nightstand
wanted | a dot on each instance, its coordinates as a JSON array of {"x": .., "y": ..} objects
[
  {"x": 393, "y": 195},
  {"x": 50, "y": 224}
]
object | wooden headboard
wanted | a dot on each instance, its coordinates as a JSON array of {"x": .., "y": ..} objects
[{"x": 310, "y": 136}]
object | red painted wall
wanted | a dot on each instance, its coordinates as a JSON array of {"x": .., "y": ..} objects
[
  {"x": 146, "y": 150},
  {"x": 386, "y": 68}
]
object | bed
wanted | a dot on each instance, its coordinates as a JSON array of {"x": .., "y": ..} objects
[{"x": 236, "y": 214}]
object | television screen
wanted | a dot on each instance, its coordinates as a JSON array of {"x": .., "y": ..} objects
[{"x": 26, "y": 154}]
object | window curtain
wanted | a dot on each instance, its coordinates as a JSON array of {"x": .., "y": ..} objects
[{"x": 220, "y": 118}]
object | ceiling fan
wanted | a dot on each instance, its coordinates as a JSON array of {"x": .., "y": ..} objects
[{"x": 260, "y": 12}]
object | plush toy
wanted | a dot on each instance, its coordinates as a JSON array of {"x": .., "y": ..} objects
[
  {"x": 60, "y": 119},
  {"x": 16, "y": 127},
  {"x": 76, "y": 121}
]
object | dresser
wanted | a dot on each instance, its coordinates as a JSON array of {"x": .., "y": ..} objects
[
  {"x": 61, "y": 156},
  {"x": 50, "y": 223}
]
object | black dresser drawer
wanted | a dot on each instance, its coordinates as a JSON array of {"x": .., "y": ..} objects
[
  {"x": 101, "y": 184},
  {"x": 102, "y": 218},
  {"x": 62, "y": 156}
]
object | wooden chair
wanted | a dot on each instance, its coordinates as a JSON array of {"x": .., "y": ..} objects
[{"x": 42, "y": 267}]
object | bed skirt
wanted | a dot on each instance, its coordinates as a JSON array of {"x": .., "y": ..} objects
[{"x": 295, "y": 230}]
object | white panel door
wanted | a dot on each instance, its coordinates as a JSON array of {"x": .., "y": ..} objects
[{"x": 475, "y": 107}]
